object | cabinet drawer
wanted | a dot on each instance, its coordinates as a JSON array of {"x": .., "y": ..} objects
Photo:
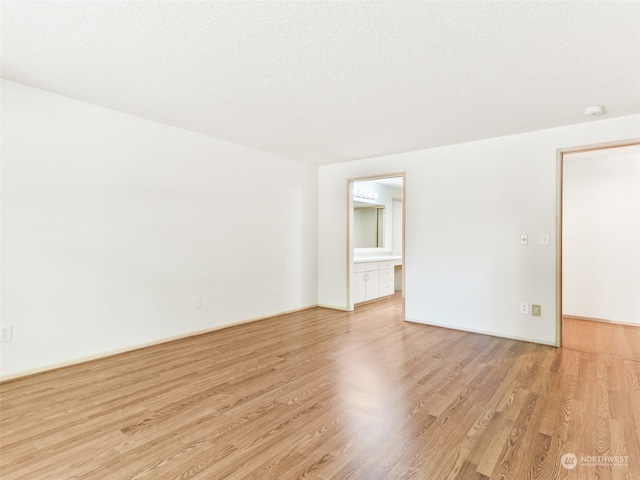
[
  {"x": 387, "y": 275},
  {"x": 386, "y": 289},
  {"x": 359, "y": 267},
  {"x": 384, "y": 265},
  {"x": 370, "y": 266}
]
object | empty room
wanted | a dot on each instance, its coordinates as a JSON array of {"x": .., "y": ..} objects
[{"x": 320, "y": 240}]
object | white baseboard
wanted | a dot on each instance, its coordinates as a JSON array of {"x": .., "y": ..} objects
[
  {"x": 483, "y": 332},
  {"x": 333, "y": 307},
  {"x": 111, "y": 353},
  {"x": 601, "y": 320}
]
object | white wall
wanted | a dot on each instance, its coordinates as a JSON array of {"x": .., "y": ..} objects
[
  {"x": 466, "y": 206},
  {"x": 111, "y": 224},
  {"x": 601, "y": 235}
]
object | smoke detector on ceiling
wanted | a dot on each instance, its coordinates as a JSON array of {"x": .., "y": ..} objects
[{"x": 594, "y": 111}]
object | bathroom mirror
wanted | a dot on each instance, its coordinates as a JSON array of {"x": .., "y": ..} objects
[{"x": 368, "y": 225}]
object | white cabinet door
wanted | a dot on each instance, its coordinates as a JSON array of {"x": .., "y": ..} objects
[
  {"x": 359, "y": 287},
  {"x": 372, "y": 280},
  {"x": 372, "y": 285}
]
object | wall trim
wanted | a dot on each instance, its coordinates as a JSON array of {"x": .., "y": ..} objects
[
  {"x": 601, "y": 320},
  {"x": 560, "y": 153},
  {"x": 112, "y": 353},
  {"x": 482, "y": 332},
  {"x": 333, "y": 307},
  {"x": 349, "y": 265}
]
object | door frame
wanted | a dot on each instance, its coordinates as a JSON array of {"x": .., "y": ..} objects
[
  {"x": 350, "y": 181},
  {"x": 560, "y": 152}
]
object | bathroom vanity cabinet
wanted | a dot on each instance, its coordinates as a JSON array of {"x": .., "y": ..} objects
[{"x": 372, "y": 280}]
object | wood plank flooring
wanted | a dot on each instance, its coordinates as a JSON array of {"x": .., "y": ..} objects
[
  {"x": 601, "y": 337},
  {"x": 322, "y": 394}
]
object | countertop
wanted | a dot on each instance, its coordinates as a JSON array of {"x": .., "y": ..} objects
[{"x": 396, "y": 259}]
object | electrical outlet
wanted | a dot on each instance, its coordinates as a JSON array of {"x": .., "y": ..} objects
[
  {"x": 6, "y": 333},
  {"x": 536, "y": 310},
  {"x": 524, "y": 239},
  {"x": 197, "y": 302},
  {"x": 524, "y": 308}
]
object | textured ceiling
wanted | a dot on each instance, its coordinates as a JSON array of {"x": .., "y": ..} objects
[{"x": 325, "y": 82}]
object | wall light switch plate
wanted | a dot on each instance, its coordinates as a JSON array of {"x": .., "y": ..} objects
[
  {"x": 524, "y": 308},
  {"x": 197, "y": 302},
  {"x": 545, "y": 239}
]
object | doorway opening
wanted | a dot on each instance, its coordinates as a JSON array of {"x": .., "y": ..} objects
[
  {"x": 597, "y": 259},
  {"x": 376, "y": 207}
]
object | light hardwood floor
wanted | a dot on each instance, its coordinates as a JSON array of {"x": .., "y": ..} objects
[
  {"x": 323, "y": 394},
  {"x": 601, "y": 337}
]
